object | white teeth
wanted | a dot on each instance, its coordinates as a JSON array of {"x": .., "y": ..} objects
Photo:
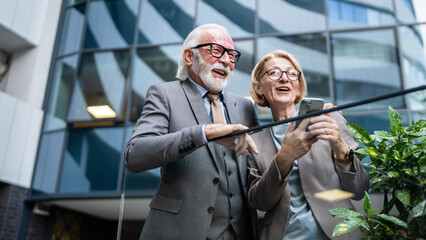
[
  {"x": 283, "y": 89},
  {"x": 221, "y": 72}
]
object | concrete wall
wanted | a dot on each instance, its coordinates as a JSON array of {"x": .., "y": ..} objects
[{"x": 28, "y": 31}]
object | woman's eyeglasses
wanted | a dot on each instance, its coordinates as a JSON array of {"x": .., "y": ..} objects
[{"x": 276, "y": 74}]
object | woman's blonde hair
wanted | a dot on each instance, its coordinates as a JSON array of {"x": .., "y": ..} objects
[{"x": 259, "y": 70}]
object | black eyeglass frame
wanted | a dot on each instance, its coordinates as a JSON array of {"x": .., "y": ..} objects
[
  {"x": 237, "y": 56},
  {"x": 282, "y": 71}
]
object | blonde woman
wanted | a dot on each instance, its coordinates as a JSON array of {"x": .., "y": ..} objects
[{"x": 294, "y": 164}]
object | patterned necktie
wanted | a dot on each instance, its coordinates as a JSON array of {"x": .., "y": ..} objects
[{"x": 216, "y": 109}]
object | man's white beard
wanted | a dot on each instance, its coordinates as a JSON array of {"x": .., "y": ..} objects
[{"x": 204, "y": 70}]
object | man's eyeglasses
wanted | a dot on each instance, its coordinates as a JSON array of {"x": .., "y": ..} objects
[
  {"x": 217, "y": 51},
  {"x": 276, "y": 74}
]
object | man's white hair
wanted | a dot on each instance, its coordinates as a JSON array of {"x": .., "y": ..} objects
[{"x": 191, "y": 41}]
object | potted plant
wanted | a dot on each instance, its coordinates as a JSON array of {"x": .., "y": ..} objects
[{"x": 398, "y": 166}]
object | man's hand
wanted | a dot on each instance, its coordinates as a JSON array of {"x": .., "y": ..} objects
[{"x": 238, "y": 143}]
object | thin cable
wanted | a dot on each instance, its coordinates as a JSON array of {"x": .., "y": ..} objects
[{"x": 316, "y": 113}]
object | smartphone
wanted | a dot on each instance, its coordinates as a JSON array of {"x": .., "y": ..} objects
[{"x": 308, "y": 105}]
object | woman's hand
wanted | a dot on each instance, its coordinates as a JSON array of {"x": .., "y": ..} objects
[
  {"x": 326, "y": 128},
  {"x": 296, "y": 143}
]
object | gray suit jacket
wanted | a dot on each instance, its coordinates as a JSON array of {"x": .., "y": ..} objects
[
  {"x": 169, "y": 135},
  {"x": 318, "y": 172}
]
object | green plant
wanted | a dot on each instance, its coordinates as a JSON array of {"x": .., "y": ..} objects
[
  {"x": 398, "y": 166},
  {"x": 378, "y": 226}
]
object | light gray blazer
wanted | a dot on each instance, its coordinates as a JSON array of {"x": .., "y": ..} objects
[
  {"x": 318, "y": 172},
  {"x": 169, "y": 135}
]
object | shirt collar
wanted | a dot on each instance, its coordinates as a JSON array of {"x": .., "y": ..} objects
[{"x": 204, "y": 91}]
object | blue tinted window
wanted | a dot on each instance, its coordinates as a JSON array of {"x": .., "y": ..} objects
[
  {"x": 151, "y": 66},
  {"x": 72, "y": 2},
  {"x": 102, "y": 81},
  {"x": 413, "y": 50},
  {"x": 92, "y": 160},
  {"x": 416, "y": 116},
  {"x": 411, "y": 11},
  {"x": 359, "y": 13},
  {"x": 48, "y": 163},
  {"x": 374, "y": 122},
  {"x": 71, "y": 30},
  {"x": 173, "y": 19},
  {"x": 111, "y": 23},
  {"x": 60, "y": 95},
  {"x": 365, "y": 66},
  {"x": 291, "y": 16},
  {"x": 236, "y": 15}
]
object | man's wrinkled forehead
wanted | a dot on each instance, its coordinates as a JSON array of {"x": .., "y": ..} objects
[{"x": 216, "y": 36}]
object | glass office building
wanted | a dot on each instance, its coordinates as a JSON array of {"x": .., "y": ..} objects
[{"x": 108, "y": 53}]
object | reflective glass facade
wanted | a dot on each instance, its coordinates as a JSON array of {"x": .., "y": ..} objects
[{"x": 108, "y": 53}]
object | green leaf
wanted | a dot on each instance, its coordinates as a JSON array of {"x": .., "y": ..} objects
[
  {"x": 369, "y": 151},
  {"x": 383, "y": 218},
  {"x": 344, "y": 213},
  {"x": 367, "y": 202},
  {"x": 347, "y": 226},
  {"x": 388, "y": 227},
  {"x": 361, "y": 135},
  {"x": 395, "y": 121},
  {"x": 418, "y": 211},
  {"x": 392, "y": 174},
  {"x": 403, "y": 196},
  {"x": 377, "y": 179},
  {"x": 383, "y": 135},
  {"x": 388, "y": 205},
  {"x": 370, "y": 212}
]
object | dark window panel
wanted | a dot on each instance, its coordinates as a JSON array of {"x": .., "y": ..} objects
[
  {"x": 48, "y": 163},
  {"x": 102, "y": 79},
  {"x": 60, "y": 93},
  {"x": 92, "y": 160},
  {"x": 173, "y": 21},
  {"x": 111, "y": 23},
  {"x": 72, "y": 2},
  {"x": 151, "y": 66},
  {"x": 237, "y": 16},
  {"x": 71, "y": 30}
]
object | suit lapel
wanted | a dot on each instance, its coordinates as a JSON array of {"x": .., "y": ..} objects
[{"x": 196, "y": 102}]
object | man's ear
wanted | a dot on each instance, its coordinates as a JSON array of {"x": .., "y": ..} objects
[{"x": 188, "y": 56}]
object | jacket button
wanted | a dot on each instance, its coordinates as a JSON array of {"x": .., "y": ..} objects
[
  {"x": 229, "y": 173},
  {"x": 216, "y": 180},
  {"x": 231, "y": 217},
  {"x": 210, "y": 209},
  {"x": 230, "y": 195}
]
